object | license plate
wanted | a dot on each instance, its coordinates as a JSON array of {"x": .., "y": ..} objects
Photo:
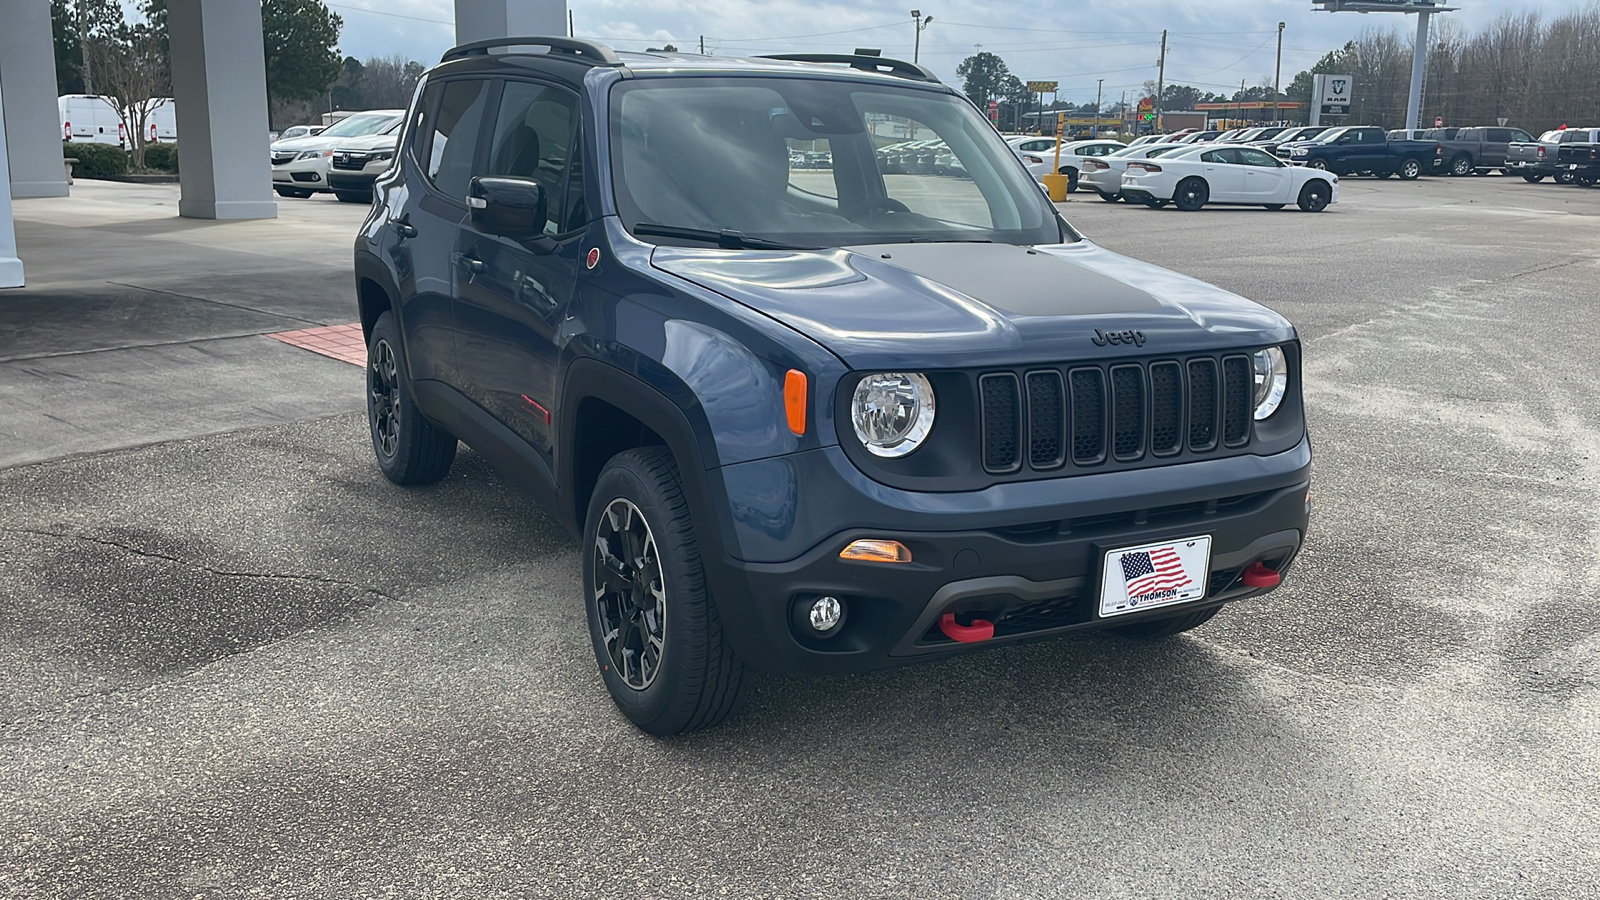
[{"x": 1154, "y": 575}]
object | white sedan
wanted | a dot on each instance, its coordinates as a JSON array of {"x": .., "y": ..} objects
[
  {"x": 1230, "y": 173},
  {"x": 1039, "y": 154},
  {"x": 1104, "y": 175}
]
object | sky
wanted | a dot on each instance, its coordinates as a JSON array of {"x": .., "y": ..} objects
[{"x": 1212, "y": 44}]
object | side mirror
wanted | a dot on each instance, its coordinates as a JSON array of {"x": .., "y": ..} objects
[
  {"x": 513, "y": 208},
  {"x": 316, "y": 131}
]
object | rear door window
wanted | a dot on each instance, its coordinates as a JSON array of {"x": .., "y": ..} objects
[{"x": 453, "y": 135}]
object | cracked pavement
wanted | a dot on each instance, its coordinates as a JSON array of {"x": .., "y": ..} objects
[{"x": 241, "y": 663}]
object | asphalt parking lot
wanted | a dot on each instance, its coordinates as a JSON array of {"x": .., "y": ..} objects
[{"x": 239, "y": 662}]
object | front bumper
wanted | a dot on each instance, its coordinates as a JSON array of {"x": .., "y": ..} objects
[
  {"x": 1034, "y": 571},
  {"x": 344, "y": 178},
  {"x": 306, "y": 174}
]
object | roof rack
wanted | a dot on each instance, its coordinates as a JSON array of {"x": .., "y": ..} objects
[
  {"x": 586, "y": 51},
  {"x": 865, "y": 63}
]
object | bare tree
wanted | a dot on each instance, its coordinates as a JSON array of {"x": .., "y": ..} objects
[{"x": 130, "y": 72}]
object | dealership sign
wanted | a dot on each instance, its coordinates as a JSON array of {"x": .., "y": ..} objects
[{"x": 1333, "y": 93}]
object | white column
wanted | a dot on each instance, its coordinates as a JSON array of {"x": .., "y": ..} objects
[
  {"x": 219, "y": 85},
  {"x": 10, "y": 266},
  {"x": 478, "y": 20},
  {"x": 1419, "y": 66},
  {"x": 28, "y": 71}
]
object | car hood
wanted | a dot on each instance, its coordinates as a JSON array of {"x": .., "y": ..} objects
[
  {"x": 314, "y": 142},
  {"x": 938, "y": 305},
  {"x": 369, "y": 142}
]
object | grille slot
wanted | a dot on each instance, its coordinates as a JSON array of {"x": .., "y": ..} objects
[
  {"x": 1127, "y": 412},
  {"x": 1002, "y": 422},
  {"x": 1088, "y": 416},
  {"x": 1166, "y": 408},
  {"x": 1047, "y": 420},
  {"x": 1238, "y": 391},
  {"x": 1202, "y": 404}
]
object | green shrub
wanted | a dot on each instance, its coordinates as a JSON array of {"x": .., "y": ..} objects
[
  {"x": 96, "y": 160},
  {"x": 161, "y": 158}
]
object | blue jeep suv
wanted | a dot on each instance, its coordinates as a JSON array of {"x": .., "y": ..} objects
[{"x": 819, "y": 417}]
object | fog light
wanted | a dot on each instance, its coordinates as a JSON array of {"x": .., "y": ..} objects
[{"x": 825, "y": 615}]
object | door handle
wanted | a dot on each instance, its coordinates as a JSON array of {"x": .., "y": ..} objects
[
  {"x": 473, "y": 264},
  {"x": 405, "y": 229}
]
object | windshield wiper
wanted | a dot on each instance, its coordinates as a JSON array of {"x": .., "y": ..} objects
[{"x": 727, "y": 238}]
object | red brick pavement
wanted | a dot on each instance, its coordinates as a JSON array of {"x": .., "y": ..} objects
[{"x": 342, "y": 342}]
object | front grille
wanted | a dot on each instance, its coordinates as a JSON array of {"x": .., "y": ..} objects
[
  {"x": 353, "y": 161},
  {"x": 279, "y": 159},
  {"x": 1096, "y": 416}
]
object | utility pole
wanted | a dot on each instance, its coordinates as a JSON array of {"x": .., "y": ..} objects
[
  {"x": 1098, "y": 93},
  {"x": 83, "y": 47},
  {"x": 1277, "y": 75},
  {"x": 702, "y": 45},
  {"x": 1161, "y": 78},
  {"x": 919, "y": 24}
]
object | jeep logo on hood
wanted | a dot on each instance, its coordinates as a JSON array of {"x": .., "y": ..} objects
[{"x": 1102, "y": 338}]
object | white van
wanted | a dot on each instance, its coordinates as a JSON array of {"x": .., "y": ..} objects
[{"x": 91, "y": 119}]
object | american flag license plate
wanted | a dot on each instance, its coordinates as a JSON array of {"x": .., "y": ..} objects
[{"x": 1153, "y": 575}]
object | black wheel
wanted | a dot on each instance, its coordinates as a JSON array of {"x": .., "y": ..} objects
[
  {"x": 296, "y": 193},
  {"x": 1109, "y": 198},
  {"x": 1533, "y": 179},
  {"x": 1072, "y": 178},
  {"x": 1410, "y": 170},
  {"x": 1461, "y": 166},
  {"x": 1507, "y": 172},
  {"x": 1156, "y": 204},
  {"x": 1151, "y": 629},
  {"x": 1276, "y": 206},
  {"x": 1192, "y": 194},
  {"x": 1315, "y": 196},
  {"x": 656, "y": 633},
  {"x": 1583, "y": 179},
  {"x": 1564, "y": 177},
  {"x": 410, "y": 449},
  {"x": 353, "y": 196},
  {"x": 1382, "y": 175}
]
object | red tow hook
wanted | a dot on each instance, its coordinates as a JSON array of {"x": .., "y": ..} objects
[
  {"x": 979, "y": 630},
  {"x": 1259, "y": 576}
]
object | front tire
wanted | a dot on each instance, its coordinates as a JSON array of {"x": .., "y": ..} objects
[
  {"x": 293, "y": 193},
  {"x": 1276, "y": 206},
  {"x": 1156, "y": 204},
  {"x": 1320, "y": 165},
  {"x": 1410, "y": 170},
  {"x": 1192, "y": 194},
  {"x": 1315, "y": 196},
  {"x": 410, "y": 449},
  {"x": 1109, "y": 198},
  {"x": 353, "y": 196},
  {"x": 1564, "y": 177},
  {"x": 654, "y": 626}
]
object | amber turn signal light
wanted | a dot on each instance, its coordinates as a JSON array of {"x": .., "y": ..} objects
[
  {"x": 794, "y": 400},
  {"x": 876, "y": 551}
]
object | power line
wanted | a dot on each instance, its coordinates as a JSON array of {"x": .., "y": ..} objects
[{"x": 392, "y": 15}]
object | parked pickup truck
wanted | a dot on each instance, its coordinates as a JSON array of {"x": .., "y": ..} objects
[
  {"x": 1579, "y": 155},
  {"x": 1535, "y": 160},
  {"x": 1362, "y": 149},
  {"x": 1469, "y": 150}
]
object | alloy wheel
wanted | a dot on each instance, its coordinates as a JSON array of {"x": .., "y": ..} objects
[
  {"x": 383, "y": 404},
  {"x": 630, "y": 593}
]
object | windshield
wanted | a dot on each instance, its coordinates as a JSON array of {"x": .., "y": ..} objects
[
  {"x": 819, "y": 163},
  {"x": 360, "y": 125}
]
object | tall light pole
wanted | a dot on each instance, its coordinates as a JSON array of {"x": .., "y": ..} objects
[
  {"x": 919, "y": 24},
  {"x": 1277, "y": 75},
  {"x": 1098, "y": 93}
]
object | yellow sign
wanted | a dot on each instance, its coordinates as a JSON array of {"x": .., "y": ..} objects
[{"x": 1043, "y": 87}]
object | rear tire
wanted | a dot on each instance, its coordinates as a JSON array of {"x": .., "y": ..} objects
[
  {"x": 410, "y": 449},
  {"x": 1564, "y": 177},
  {"x": 1461, "y": 166},
  {"x": 1155, "y": 629},
  {"x": 1072, "y": 178},
  {"x": 1109, "y": 198},
  {"x": 1410, "y": 170},
  {"x": 1382, "y": 175},
  {"x": 1276, "y": 206},
  {"x": 655, "y": 630},
  {"x": 353, "y": 196},
  {"x": 1315, "y": 196},
  {"x": 1191, "y": 195},
  {"x": 1533, "y": 179},
  {"x": 294, "y": 193},
  {"x": 1156, "y": 204}
]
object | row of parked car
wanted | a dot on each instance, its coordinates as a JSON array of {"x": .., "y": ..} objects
[{"x": 344, "y": 158}]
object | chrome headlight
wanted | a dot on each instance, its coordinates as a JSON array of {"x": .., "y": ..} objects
[
  {"x": 892, "y": 412},
  {"x": 1300, "y": 151},
  {"x": 312, "y": 154},
  {"x": 1272, "y": 380}
]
